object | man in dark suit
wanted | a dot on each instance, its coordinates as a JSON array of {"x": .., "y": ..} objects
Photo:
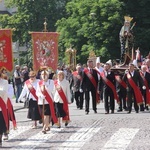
[
  {"x": 90, "y": 84},
  {"x": 76, "y": 85},
  {"x": 146, "y": 79},
  {"x": 121, "y": 91},
  {"x": 133, "y": 80},
  {"x": 108, "y": 92}
]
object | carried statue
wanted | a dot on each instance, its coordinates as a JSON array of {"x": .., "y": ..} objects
[{"x": 126, "y": 37}]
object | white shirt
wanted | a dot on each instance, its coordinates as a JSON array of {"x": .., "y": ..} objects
[
  {"x": 3, "y": 90},
  {"x": 66, "y": 89},
  {"x": 49, "y": 86},
  {"x": 26, "y": 93}
]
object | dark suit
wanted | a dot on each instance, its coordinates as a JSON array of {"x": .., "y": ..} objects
[
  {"x": 130, "y": 92},
  {"x": 88, "y": 87},
  {"x": 147, "y": 78},
  {"x": 121, "y": 91},
  {"x": 108, "y": 93},
  {"x": 76, "y": 85}
]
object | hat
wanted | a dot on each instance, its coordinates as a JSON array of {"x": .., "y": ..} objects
[
  {"x": 109, "y": 62},
  {"x": 32, "y": 73},
  {"x": 128, "y": 19},
  {"x": 97, "y": 60}
]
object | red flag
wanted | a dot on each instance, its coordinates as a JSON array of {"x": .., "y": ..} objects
[
  {"x": 45, "y": 49},
  {"x": 6, "y": 59}
]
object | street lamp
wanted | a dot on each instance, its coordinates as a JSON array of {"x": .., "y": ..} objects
[{"x": 93, "y": 32}]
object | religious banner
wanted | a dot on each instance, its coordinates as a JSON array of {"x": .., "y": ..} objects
[
  {"x": 6, "y": 59},
  {"x": 45, "y": 49}
]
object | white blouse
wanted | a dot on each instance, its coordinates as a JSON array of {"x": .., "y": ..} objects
[
  {"x": 3, "y": 90},
  {"x": 26, "y": 93},
  {"x": 49, "y": 87},
  {"x": 66, "y": 89}
]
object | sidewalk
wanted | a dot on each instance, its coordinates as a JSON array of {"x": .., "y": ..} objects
[{"x": 17, "y": 106}]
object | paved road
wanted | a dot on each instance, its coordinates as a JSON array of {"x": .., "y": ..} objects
[{"x": 118, "y": 131}]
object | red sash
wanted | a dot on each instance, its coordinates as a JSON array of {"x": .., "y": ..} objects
[
  {"x": 121, "y": 82},
  {"x": 75, "y": 73},
  {"x": 11, "y": 113},
  {"x": 4, "y": 112},
  {"x": 147, "y": 89},
  {"x": 109, "y": 83},
  {"x": 50, "y": 101},
  {"x": 136, "y": 90},
  {"x": 31, "y": 89},
  {"x": 64, "y": 98},
  {"x": 91, "y": 78}
]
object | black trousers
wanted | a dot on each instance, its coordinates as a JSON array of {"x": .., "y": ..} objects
[
  {"x": 79, "y": 99},
  {"x": 122, "y": 97},
  {"x": 87, "y": 100},
  {"x": 109, "y": 100},
  {"x": 131, "y": 99}
]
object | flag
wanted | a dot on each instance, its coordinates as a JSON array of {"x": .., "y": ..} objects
[
  {"x": 6, "y": 58},
  {"x": 45, "y": 49}
]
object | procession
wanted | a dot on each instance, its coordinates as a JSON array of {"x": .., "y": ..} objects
[{"x": 48, "y": 93}]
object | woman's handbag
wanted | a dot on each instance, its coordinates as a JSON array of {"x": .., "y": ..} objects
[{"x": 26, "y": 103}]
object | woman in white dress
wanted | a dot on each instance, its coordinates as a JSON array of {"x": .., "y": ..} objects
[
  {"x": 29, "y": 91},
  {"x": 62, "y": 98},
  {"x": 44, "y": 92},
  {"x": 3, "y": 107}
]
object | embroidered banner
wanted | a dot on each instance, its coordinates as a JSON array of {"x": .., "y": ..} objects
[
  {"x": 45, "y": 49},
  {"x": 6, "y": 59}
]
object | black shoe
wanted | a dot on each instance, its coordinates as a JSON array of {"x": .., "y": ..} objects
[
  {"x": 106, "y": 112},
  {"x": 128, "y": 112},
  {"x": 40, "y": 121},
  {"x": 146, "y": 108},
  {"x": 86, "y": 112},
  {"x": 119, "y": 110},
  {"x": 95, "y": 111},
  {"x": 81, "y": 108},
  {"x": 112, "y": 112},
  {"x": 66, "y": 124},
  {"x": 137, "y": 111},
  {"x": 125, "y": 109}
]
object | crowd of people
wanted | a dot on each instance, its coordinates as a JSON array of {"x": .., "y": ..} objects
[{"x": 50, "y": 93}]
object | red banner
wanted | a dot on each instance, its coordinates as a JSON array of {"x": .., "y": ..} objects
[
  {"x": 6, "y": 59},
  {"x": 45, "y": 49}
]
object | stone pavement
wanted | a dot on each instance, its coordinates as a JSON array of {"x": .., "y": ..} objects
[{"x": 17, "y": 106}]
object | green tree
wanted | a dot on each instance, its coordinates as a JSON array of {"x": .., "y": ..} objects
[
  {"x": 30, "y": 17},
  {"x": 98, "y": 32}
]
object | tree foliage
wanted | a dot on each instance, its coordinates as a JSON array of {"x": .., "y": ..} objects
[
  {"x": 91, "y": 25},
  {"x": 85, "y": 25}
]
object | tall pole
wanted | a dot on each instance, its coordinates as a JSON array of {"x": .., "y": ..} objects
[{"x": 44, "y": 30}]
